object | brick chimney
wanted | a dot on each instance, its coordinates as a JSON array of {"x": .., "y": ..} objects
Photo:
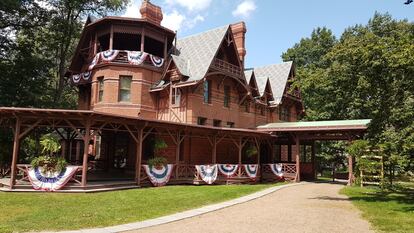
[
  {"x": 239, "y": 31},
  {"x": 151, "y": 12}
]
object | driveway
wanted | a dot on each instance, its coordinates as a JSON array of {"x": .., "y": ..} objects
[{"x": 311, "y": 207}]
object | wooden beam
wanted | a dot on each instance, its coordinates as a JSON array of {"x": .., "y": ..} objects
[
  {"x": 29, "y": 129},
  {"x": 214, "y": 150},
  {"x": 143, "y": 40},
  {"x": 16, "y": 147},
  {"x": 297, "y": 158},
  {"x": 139, "y": 156},
  {"x": 240, "y": 155},
  {"x": 86, "y": 139},
  {"x": 111, "y": 38}
]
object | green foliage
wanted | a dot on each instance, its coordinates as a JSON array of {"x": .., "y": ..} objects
[
  {"x": 251, "y": 150},
  {"x": 49, "y": 164},
  {"x": 366, "y": 73},
  {"x": 159, "y": 145},
  {"x": 157, "y": 161},
  {"x": 50, "y": 144}
]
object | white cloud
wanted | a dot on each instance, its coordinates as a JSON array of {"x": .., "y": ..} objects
[
  {"x": 244, "y": 9},
  {"x": 173, "y": 20},
  {"x": 133, "y": 10},
  {"x": 191, "y": 23},
  {"x": 191, "y": 5}
]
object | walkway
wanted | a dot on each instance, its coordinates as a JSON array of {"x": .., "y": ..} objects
[{"x": 312, "y": 207}]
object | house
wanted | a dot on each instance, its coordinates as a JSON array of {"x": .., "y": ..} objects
[{"x": 138, "y": 83}]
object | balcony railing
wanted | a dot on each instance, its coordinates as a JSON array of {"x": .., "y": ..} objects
[
  {"x": 134, "y": 58},
  {"x": 227, "y": 68}
]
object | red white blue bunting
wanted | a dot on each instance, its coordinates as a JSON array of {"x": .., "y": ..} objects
[
  {"x": 208, "y": 173},
  {"x": 228, "y": 169},
  {"x": 109, "y": 55},
  {"x": 136, "y": 57},
  {"x": 251, "y": 170},
  {"x": 156, "y": 61},
  {"x": 76, "y": 78},
  {"x": 50, "y": 181},
  {"x": 94, "y": 61},
  {"x": 276, "y": 169},
  {"x": 86, "y": 75},
  {"x": 159, "y": 176}
]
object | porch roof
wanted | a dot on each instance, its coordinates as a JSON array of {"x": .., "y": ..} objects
[
  {"x": 359, "y": 124},
  {"x": 66, "y": 118}
]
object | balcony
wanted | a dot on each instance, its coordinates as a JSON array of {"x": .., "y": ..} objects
[
  {"x": 227, "y": 68},
  {"x": 133, "y": 58}
]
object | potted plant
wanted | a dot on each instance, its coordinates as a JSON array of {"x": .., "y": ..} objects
[
  {"x": 158, "y": 161},
  {"x": 47, "y": 162}
]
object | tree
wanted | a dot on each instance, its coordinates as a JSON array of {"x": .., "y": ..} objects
[{"x": 366, "y": 73}]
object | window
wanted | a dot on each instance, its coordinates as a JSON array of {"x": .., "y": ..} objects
[
  {"x": 125, "y": 88},
  {"x": 207, "y": 91},
  {"x": 201, "y": 120},
  {"x": 226, "y": 96},
  {"x": 216, "y": 123},
  {"x": 246, "y": 106},
  {"x": 230, "y": 124},
  {"x": 176, "y": 97},
  {"x": 277, "y": 157},
  {"x": 100, "y": 88},
  {"x": 284, "y": 114}
]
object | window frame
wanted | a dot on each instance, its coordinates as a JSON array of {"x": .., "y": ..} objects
[
  {"x": 207, "y": 92},
  {"x": 226, "y": 99},
  {"x": 201, "y": 120},
  {"x": 100, "y": 88},
  {"x": 120, "y": 88},
  {"x": 216, "y": 123},
  {"x": 176, "y": 98}
]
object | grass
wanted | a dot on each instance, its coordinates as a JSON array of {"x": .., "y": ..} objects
[
  {"x": 68, "y": 211},
  {"x": 391, "y": 211}
]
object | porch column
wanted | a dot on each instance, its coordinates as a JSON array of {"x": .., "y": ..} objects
[
  {"x": 86, "y": 139},
  {"x": 142, "y": 39},
  {"x": 139, "y": 156},
  {"x": 313, "y": 160},
  {"x": 297, "y": 158},
  {"x": 177, "y": 153},
  {"x": 350, "y": 170},
  {"x": 240, "y": 146},
  {"x": 111, "y": 38},
  {"x": 16, "y": 147},
  {"x": 214, "y": 150}
]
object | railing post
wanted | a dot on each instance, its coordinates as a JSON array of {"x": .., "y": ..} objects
[{"x": 86, "y": 139}]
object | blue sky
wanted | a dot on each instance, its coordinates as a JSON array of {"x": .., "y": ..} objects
[{"x": 273, "y": 26}]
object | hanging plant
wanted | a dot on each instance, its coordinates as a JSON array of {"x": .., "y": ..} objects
[
  {"x": 251, "y": 150},
  {"x": 47, "y": 162},
  {"x": 159, "y": 144}
]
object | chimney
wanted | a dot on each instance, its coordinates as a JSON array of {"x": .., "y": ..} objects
[
  {"x": 239, "y": 31},
  {"x": 151, "y": 12}
]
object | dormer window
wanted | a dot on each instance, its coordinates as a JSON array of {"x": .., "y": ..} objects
[{"x": 176, "y": 97}]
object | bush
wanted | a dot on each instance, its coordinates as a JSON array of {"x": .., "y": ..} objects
[
  {"x": 157, "y": 161},
  {"x": 49, "y": 164}
]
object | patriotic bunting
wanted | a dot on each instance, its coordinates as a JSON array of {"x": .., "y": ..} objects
[
  {"x": 76, "y": 78},
  {"x": 94, "y": 61},
  {"x": 86, "y": 75},
  {"x": 156, "y": 61},
  {"x": 136, "y": 57},
  {"x": 208, "y": 173},
  {"x": 159, "y": 176},
  {"x": 109, "y": 55},
  {"x": 276, "y": 169},
  {"x": 228, "y": 169},
  {"x": 50, "y": 181},
  {"x": 251, "y": 170}
]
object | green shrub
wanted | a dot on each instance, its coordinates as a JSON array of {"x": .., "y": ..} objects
[{"x": 157, "y": 161}]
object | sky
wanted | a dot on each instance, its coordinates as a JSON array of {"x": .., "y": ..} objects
[{"x": 273, "y": 26}]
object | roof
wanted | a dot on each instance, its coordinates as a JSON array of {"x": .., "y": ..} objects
[
  {"x": 319, "y": 125},
  {"x": 278, "y": 75},
  {"x": 248, "y": 73},
  {"x": 261, "y": 84},
  {"x": 196, "y": 52}
]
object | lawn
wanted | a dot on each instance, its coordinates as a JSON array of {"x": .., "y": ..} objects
[
  {"x": 67, "y": 211},
  {"x": 387, "y": 211}
]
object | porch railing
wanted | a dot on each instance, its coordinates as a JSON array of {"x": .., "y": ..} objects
[{"x": 227, "y": 68}]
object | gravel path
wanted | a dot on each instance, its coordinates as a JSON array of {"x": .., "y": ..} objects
[{"x": 313, "y": 207}]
